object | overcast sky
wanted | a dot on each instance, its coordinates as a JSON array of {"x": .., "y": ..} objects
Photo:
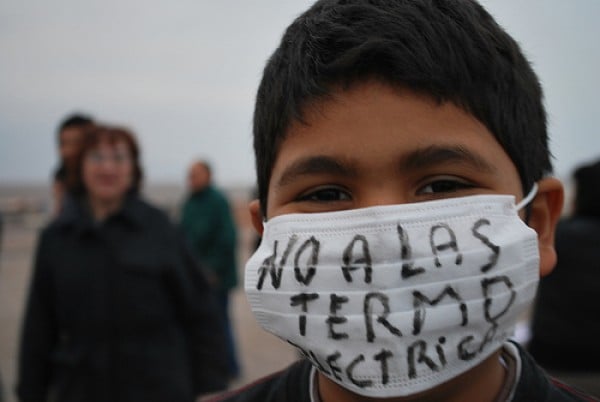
[{"x": 183, "y": 76}]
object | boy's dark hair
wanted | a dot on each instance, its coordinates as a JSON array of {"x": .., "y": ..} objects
[
  {"x": 74, "y": 120},
  {"x": 449, "y": 50}
]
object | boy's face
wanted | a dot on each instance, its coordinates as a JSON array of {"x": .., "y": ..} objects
[{"x": 373, "y": 146}]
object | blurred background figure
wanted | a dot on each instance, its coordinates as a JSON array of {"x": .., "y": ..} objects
[
  {"x": 566, "y": 320},
  {"x": 69, "y": 138},
  {"x": 1, "y": 387},
  {"x": 117, "y": 310},
  {"x": 209, "y": 226}
]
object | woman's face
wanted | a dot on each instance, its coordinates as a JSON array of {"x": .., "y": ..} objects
[{"x": 108, "y": 171}]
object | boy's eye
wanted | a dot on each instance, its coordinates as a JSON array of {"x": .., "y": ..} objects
[
  {"x": 445, "y": 185},
  {"x": 326, "y": 194}
]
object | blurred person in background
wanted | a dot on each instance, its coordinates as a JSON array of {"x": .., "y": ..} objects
[
  {"x": 1, "y": 228},
  {"x": 70, "y": 136},
  {"x": 566, "y": 320},
  {"x": 209, "y": 226},
  {"x": 117, "y": 309}
]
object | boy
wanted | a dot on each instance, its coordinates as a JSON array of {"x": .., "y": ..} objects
[{"x": 392, "y": 139}]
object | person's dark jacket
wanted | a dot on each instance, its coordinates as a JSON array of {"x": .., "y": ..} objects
[
  {"x": 208, "y": 223},
  {"x": 293, "y": 385},
  {"x": 1, "y": 232},
  {"x": 118, "y": 311},
  {"x": 566, "y": 320}
]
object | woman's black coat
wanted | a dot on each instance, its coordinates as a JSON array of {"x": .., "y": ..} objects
[{"x": 118, "y": 311}]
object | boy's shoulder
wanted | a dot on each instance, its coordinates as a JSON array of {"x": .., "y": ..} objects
[
  {"x": 533, "y": 384},
  {"x": 291, "y": 384}
]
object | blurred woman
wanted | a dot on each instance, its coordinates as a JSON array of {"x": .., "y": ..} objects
[{"x": 117, "y": 309}]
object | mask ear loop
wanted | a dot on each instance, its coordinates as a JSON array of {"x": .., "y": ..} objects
[{"x": 525, "y": 202}]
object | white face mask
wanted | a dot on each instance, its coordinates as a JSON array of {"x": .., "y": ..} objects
[{"x": 394, "y": 300}]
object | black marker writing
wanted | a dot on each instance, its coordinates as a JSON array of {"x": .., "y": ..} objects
[
  {"x": 421, "y": 357},
  {"x": 268, "y": 265},
  {"x": 382, "y": 319},
  {"x": 302, "y": 299},
  {"x": 408, "y": 268},
  {"x": 334, "y": 306},
  {"x": 352, "y": 263},
  {"x": 484, "y": 239},
  {"x": 332, "y": 362},
  {"x": 311, "y": 263},
  {"x": 383, "y": 357},
  {"x": 486, "y": 284},
  {"x": 435, "y": 248},
  {"x": 440, "y": 350},
  {"x": 463, "y": 352},
  {"x": 310, "y": 355},
  {"x": 419, "y": 301},
  {"x": 350, "y": 373}
]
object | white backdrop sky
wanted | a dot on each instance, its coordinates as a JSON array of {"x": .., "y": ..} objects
[{"x": 183, "y": 75}]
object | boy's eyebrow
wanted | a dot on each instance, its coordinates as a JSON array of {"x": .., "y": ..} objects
[
  {"x": 436, "y": 154},
  {"x": 420, "y": 158},
  {"x": 315, "y": 165}
]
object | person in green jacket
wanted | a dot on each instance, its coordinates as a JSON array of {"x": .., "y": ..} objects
[{"x": 209, "y": 226}]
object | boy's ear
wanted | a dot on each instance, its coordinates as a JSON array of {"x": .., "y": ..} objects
[
  {"x": 256, "y": 215},
  {"x": 546, "y": 209}
]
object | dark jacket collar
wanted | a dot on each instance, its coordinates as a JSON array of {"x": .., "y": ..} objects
[
  {"x": 202, "y": 192},
  {"x": 76, "y": 214}
]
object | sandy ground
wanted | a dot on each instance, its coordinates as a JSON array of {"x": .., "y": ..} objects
[{"x": 260, "y": 353}]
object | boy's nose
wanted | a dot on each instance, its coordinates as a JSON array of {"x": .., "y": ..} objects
[{"x": 384, "y": 194}]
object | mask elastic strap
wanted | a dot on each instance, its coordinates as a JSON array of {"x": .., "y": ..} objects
[
  {"x": 525, "y": 202},
  {"x": 528, "y": 198}
]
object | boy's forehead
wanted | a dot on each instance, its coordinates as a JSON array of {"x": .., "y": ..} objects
[
  {"x": 374, "y": 114},
  {"x": 373, "y": 128}
]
